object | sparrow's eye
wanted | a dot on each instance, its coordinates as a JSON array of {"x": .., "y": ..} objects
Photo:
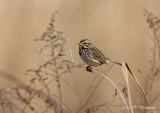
[{"x": 84, "y": 42}]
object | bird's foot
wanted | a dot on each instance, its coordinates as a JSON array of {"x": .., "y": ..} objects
[{"x": 89, "y": 68}]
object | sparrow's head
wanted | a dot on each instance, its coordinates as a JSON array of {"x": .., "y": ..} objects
[{"x": 85, "y": 43}]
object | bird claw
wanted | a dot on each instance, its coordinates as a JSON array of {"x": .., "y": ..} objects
[{"x": 89, "y": 68}]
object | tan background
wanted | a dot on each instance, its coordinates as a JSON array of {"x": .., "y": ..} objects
[{"x": 117, "y": 27}]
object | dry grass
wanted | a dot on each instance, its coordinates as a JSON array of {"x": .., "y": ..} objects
[
  {"x": 39, "y": 96},
  {"x": 154, "y": 74}
]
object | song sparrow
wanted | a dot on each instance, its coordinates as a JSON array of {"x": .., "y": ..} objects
[{"x": 91, "y": 55}]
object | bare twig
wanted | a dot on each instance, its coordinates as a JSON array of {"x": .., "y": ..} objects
[{"x": 103, "y": 76}]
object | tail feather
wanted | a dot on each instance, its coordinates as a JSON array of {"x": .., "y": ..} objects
[
  {"x": 114, "y": 62},
  {"x": 117, "y": 63}
]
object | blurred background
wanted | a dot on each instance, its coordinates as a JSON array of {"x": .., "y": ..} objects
[{"x": 117, "y": 27}]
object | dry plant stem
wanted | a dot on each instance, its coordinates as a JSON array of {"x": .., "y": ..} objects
[
  {"x": 101, "y": 75},
  {"x": 92, "y": 92},
  {"x": 12, "y": 78},
  {"x": 47, "y": 96},
  {"x": 115, "y": 87},
  {"x": 157, "y": 40},
  {"x": 59, "y": 85},
  {"x": 87, "y": 92},
  {"x": 127, "y": 82},
  {"x": 57, "y": 73},
  {"x": 156, "y": 43},
  {"x": 153, "y": 22},
  {"x": 110, "y": 103},
  {"x": 139, "y": 85},
  {"x": 70, "y": 49}
]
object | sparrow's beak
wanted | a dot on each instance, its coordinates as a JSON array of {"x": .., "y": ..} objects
[{"x": 79, "y": 44}]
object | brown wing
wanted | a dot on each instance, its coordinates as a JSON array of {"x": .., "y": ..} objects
[{"x": 98, "y": 55}]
